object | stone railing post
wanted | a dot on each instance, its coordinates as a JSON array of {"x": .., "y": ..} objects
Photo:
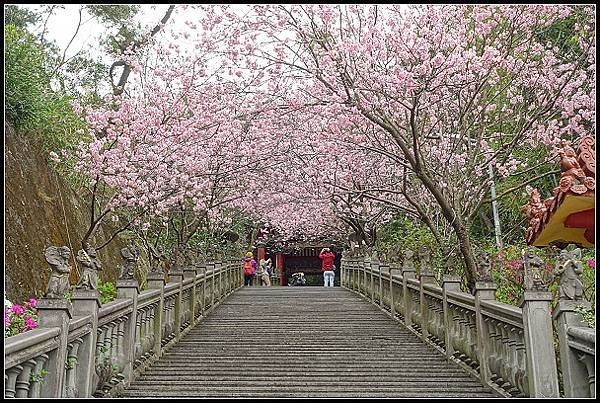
[
  {"x": 129, "y": 288},
  {"x": 54, "y": 312},
  {"x": 541, "y": 362},
  {"x": 87, "y": 302},
  {"x": 343, "y": 272},
  {"x": 202, "y": 268},
  {"x": 484, "y": 291},
  {"x": 575, "y": 375},
  {"x": 426, "y": 277},
  {"x": 449, "y": 283},
  {"x": 236, "y": 274},
  {"x": 577, "y": 369},
  {"x": 351, "y": 267},
  {"x": 393, "y": 266},
  {"x": 190, "y": 273},
  {"x": 177, "y": 277},
  {"x": 537, "y": 329},
  {"x": 383, "y": 268},
  {"x": 374, "y": 268},
  {"x": 230, "y": 276},
  {"x": 407, "y": 272},
  {"x": 211, "y": 266},
  {"x": 218, "y": 291},
  {"x": 356, "y": 274},
  {"x": 365, "y": 263},
  {"x": 226, "y": 282},
  {"x": 156, "y": 281}
]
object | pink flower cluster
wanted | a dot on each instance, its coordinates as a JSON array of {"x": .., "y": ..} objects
[{"x": 20, "y": 318}]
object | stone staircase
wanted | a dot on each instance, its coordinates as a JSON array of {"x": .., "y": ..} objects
[{"x": 302, "y": 342}]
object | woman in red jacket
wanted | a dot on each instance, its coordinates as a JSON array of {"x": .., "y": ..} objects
[{"x": 327, "y": 257}]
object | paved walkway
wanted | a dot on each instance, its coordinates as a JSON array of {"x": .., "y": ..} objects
[{"x": 302, "y": 342}]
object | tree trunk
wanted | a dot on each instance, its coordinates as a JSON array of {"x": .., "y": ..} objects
[{"x": 460, "y": 229}]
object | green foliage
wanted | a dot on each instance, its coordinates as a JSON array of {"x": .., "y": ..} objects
[
  {"x": 19, "y": 17},
  {"x": 31, "y": 104},
  {"x": 588, "y": 315},
  {"x": 112, "y": 14},
  {"x": 118, "y": 16},
  {"x": 404, "y": 233},
  {"x": 85, "y": 79},
  {"x": 107, "y": 291},
  {"x": 564, "y": 34},
  {"x": 39, "y": 376},
  {"x": 26, "y": 82},
  {"x": 588, "y": 277},
  {"x": 71, "y": 362},
  {"x": 507, "y": 272}
]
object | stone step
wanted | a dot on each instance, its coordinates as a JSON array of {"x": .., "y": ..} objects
[
  {"x": 363, "y": 375},
  {"x": 302, "y": 342},
  {"x": 298, "y": 392}
]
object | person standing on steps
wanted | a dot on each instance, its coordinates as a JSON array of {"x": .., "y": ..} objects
[
  {"x": 249, "y": 269},
  {"x": 265, "y": 266},
  {"x": 327, "y": 257}
]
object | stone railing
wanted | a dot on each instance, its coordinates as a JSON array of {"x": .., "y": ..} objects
[
  {"x": 82, "y": 348},
  {"x": 510, "y": 349},
  {"x": 577, "y": 350}
]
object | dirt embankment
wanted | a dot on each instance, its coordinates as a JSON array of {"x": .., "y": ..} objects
[{"x": 41, "y": 209}]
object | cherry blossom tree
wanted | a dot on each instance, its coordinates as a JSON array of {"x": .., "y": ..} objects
[
  {"x": 454, "y": 87},
  {"x": 332, "y": 117}
]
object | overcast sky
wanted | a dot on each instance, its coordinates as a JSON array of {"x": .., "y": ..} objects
[{"x": 62, "y": 25}]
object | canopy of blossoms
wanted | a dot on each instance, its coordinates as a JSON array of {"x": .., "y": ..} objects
[{"x": 309, "y": 116}]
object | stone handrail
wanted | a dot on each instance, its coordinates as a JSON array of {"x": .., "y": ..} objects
[
  {"x": 510, "y": 349},
  {"x": 84, "y": 349},
  {"x": 25, "y": 356},
  {"x": 577, "y": 350}
]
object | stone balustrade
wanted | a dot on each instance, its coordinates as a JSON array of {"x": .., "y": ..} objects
[
  {"x": 510, "y": 349},
  {"x": 83, "y": 349},
  {"x": 577, "y": 350}
]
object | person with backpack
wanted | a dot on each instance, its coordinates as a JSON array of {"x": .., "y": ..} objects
[
  {"x": 327, "y": 258},
  {"x": 249, "y": 269}
]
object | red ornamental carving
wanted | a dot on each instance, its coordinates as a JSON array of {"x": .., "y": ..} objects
[
  {"x": 568, "y": 162},
  {"x": 578, "y": 178}
]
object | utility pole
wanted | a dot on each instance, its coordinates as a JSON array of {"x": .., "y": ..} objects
[{"x": 495, "y": 208}]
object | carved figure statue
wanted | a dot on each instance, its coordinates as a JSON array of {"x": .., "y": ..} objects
[
  {"x": 424, "y": 259},
  {"x": 408, "y": 263},
  {"x": 569, "y": 268},
  {"x": 484, "y": 267},
  {"x": 568, "y": 161},
  {"x": 535, "y": 209},
  {"x": 157, "y": 257},
  {"x": 130, "y": 256},
  {"x": 534, "y": 274},
  {"x": 90, "y": 265},
  {"x": 58, "y": 258},
  {"x": 178, "y": 259}
]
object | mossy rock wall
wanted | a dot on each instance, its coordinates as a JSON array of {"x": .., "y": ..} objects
[{"x": 41, "y": 209}]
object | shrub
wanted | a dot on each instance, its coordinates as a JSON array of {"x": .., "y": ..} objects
[
  {"x": 588, "y": 315},
  {"x": 25, "y": 78},
  {"x": 30, "y": 103},
  {"x": 107, "y": 291},
  {"x": 20, "y": 318}
]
